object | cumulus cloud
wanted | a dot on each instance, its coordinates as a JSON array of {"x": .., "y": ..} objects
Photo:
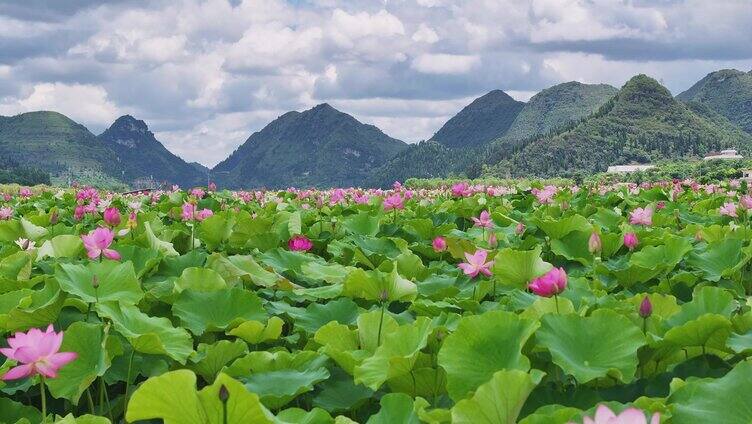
[{"x": 205, "y": 74}]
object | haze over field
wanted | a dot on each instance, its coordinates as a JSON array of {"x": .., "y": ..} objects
[{"x": 206, "y": 75}]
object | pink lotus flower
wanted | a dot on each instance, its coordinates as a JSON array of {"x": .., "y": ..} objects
[
  {"x": 5, "y": 213},
  {"x": 111, "y": 217},
  {"x": 198, "y": 192},
  {"x": 97, "y": 244},
  {"x": 550, "y": 284},
  {"x": 546, "y": 195},
  {"x": 189, "y": 212},
  {"x": 299, "y": 243},
  {"x": 594, "y": 243},
  {"x": 461, "y": 190},
  {"x": 394, "y": 201},
  {"x": 519, "y": 229},
  {"x": 484, "y": 221},
  {"x": 212, "y": 186},
  {"x": 746, "y": 202},
  {"x": 203, "y": 214},
  {"x": 439, "y": 244},
  {"x": 476, "y": 264},
  {"x": 604, "y": 415},
  {"x": 728, "y": 209},
  {"x": 24, "y": 192},
  {"x": 630, "y": 240},
  {"x": 38, "y": 353},
  {"x": 641, "y": 216}
]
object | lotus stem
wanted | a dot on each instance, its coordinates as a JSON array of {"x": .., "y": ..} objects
[
  {"x": 44, "y": 398},
  {"x": 128, "y": 377},
  {"x": 90, "y": 400},
  {"x": 381, "y": 323},
  {"x": 556, "y": 300}
]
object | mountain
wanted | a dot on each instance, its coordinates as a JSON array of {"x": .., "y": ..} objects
[
  {"x": 319, "y": 147},
  {"x": 54, "y": 143},
  {"x": 487, "y": 118},
  {"x": 557, "y": 106},
  {"x": 728, "y": 92},
  {"x": 142, "y": 157},
  {"x": 642, "y": 123},
  {"x": 427, "y": 159}
]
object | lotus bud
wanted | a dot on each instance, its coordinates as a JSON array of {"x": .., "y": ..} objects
[
  {"x": 519, "y": 229},
  {"x": 439, "y": 244},
  {"x": 384, "y": 295},
  {"x": 112, "y": 217},
  {"x": 54, "y": 218},
  {"x": 224, "y": 394},
  {"x": 646, "y": 308},
  {"x": 595, "y": 244},
  {"x": 630, "y": 240},
  {"x": 95, "y": 282}
]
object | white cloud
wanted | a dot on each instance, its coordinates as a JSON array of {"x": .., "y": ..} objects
[
  {"x": 425, "y": 34},
  {"x": 87, "y": 104},
  {"x": 441, "y": 63}
]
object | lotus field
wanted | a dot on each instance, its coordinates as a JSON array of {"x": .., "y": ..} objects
[{"x": 463, "y": 304}]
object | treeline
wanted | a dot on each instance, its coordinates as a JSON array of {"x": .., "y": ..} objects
[{"x": 11, "y": 172}]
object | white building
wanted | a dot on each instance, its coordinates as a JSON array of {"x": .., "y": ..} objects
[
  {"x": 724, "y": 155},
  {"x": 627, "y": 169}
]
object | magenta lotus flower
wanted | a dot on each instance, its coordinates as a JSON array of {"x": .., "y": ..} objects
[
  {"x": 198, "y": 192},
  {"x": 550, "y": 284},
  {"x": 728, "y": 209},
  {"x": 299, "y": 243},
  {"x": 439, "y": 244},
  {"x": 37, "y": 352},
  {"x": 461, "y": 190},
  {"x": 394, "y": 201},
  {"x": 24, "y": 192},
  {"x": 476, "y": 264},
  {"x": 630, "y": 240},
  {"x": 484, "y": 220},
  {"x": 604, "y": 415},
  {"x": 641, "y": 216},
  {"x": 111, "y": 217},
  {"x": 6, "y": 213},
  {"x": 646, "y": 308},
  {"x": 189, "y": 212},
  {"x": 594, "y": 243},
  {"x": 203, "y": 214},
  {"x": 97, "y": 244},
  {"x": 746, "y": 201}
]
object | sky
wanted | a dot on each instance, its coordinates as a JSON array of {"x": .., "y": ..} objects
[{"x": 205, "y": 74}]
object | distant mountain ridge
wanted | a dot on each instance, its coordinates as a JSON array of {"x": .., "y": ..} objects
[
  {"x": 642, "y": 123},
  {"x": 319, "y": 147},
  {"x": 142, "y": 156},
  {"x": 728, "y": 92}
]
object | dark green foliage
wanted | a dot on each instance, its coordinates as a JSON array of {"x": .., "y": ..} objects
[
  {"x": 643, "y": 123},
  {"x": 55, "y": 144},
  {"x": 142, "y": 157},
  {"x": 485, "y": 119},
  {"x": 728, "y": 92},
  {"x": 702, "y": 171},
  {"x": 321, "y": 147},
  {"x": 13, "y": 173}
]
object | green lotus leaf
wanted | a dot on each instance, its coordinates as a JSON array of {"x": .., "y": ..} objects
[
  {"x": 499, "y": 401},
  {"x": 706, "y": 300},
  {"x": 215, "y": 230},
  {"x": 333, "y": 273},
  {"x": 395, "y": 408},
  {"x": 551, "y": 414},
  {"x": 10, "y": 230},
  {"x": 340, "y": 394},
  {"x": 517, "y": 268},
  {"x": 173, "y": 398},
  {"x": 709, "y": 331},
  {"x": 13, "y": 412},
  {"x": 62, "y": 246},
  {"x": 209, "y": 359},
  {"x": 482, "y": 345},
  {"x": 396, "y": 355},
  {"x": 200, "y": 279},
  {"x": 301, "y": 416},
  {"x": 89, "y": 342},
  {"x": 719, "y": 259},
  {"x": 116, "y": 282},
  {"x": 143, "y": 260},
  {"x": 32, "y": 231},
  {"x": 148, "y": 334},
  {"x": 558, "y": 228},
  {"x": 588, "y": 348},
  {"x": 83, "y": 419},
  {"x": 253, "y": 272},
  {"x": 217, "y": 310},
  {"x": 316, "y": 315},
  {"x": 741, "y": 343},
  {"x": 16, "y": 266},
  {"x": 723, "y": 400},
  {"x": 377, "y": 285},
  {"x": 26, "y": 308},
  {"x": 155, "y": 243},
  {"x": 362, "y": 223},
  {"x": 279, "y": 377},
  {"x": 663, "y": 257},
  {"x": 255, "y": 332},
  {"x": 574, "y": 246}
]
